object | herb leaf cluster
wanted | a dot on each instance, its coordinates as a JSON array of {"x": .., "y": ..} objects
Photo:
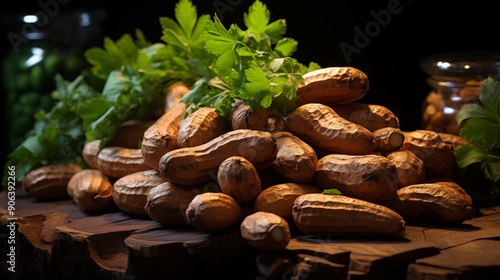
[{"x": 481, "y": 127}]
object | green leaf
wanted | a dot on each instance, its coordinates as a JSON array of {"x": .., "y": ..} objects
[
  {"x": 312, "y": 66},
  {"x": 481, "y": 127},
  {"x": 218, "y": 40},
  {"x": 484, "y": 131},
  {"x": 91, "y": 110},
  {"x": 257, "y": 82},
  {"x": 286, "y": 47},
  {"x": 112, "y": 56},
  {"x": 471, "y": 111},
  {"x": 332, "y": 192},
  {"x": 227, "y": 61},
  {"x": 185, "y": 34},
  {"x": 186, "y": 15},
  {"x": 170, "y": 36},
  {"x": 115, "y": 85},
  {"x": 276, "y": 64},
  {"x": 490, "y": 94},
  {"x": 469, "y": 154},
  {"x": 32, "y": 145},
  {"x": 257, "y": 18},
  {"x": 275, "y": 30}
]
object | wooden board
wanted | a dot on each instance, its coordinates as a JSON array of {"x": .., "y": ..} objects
[{"x": 56, "y": 240}]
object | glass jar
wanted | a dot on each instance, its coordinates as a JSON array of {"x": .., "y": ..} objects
[
  {"x": 41, "y": 46},
  {"x": 455, "y": 79}
]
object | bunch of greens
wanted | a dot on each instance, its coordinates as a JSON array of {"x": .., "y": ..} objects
[
  {"x": 126, "y": 82},
  {"x": 220, "y": 64},
  {"x": 57, "y": 135},
  {"x": 253, "y": 65},
  {"x": 482, "y": 129}
]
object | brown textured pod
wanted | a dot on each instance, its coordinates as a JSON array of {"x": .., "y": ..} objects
[
  {"x": 161, "y": 136},
  {"x": 371, "y": 116},
  {"x": 437, "y": 155},
  {"x": 213, "y": 212},
  {"x": 173, "y": 95},
  {"x": 333, "y": 85},
  {"x": 199, "y": 164},
  {"x": 432, "y": 202},
  {"x": 388, "y": 139},
  {"x": 242, "y": 117},
  {"x": 167, "y": 202},
  {"x": 296, "y": 160},
  {"x": 91, "y": 190},
  {"x": 321, "y": 214},
  {"x": 320, "y": 126},
  {"x": 265, "y": 231},
  {"x": 368, "y": 177},
  {"x": 200, "y": 127},
  {"x": 49, "y": 182},
  {"x": 90, "y": 151},
  {"x": 278, "y": 199},
  {"x": 130, "y": 192},
  {"x": 238, "y": 178},
  {"x": 448, "y": 182},
  {"x": 117, "y": 162},
  {"x": 409, "y": 167}
]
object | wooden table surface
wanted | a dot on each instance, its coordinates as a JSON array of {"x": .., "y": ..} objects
[{"x": 56, "y": 240}]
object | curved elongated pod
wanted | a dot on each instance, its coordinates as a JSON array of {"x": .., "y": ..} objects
[
  {"x": 432, "y": 202},
  {"x": 320, "y": 126},
  {"x": 296, "y": 160},
  {"x": 90, "y": 151},
  {"x": 333, "y": 85},
  {"x": 373, "y": 178},
  {"x": 130, "y": 192},
  {"x": 371, "y": 116},
  {"x": 199, "y": 164},
  {"x": 321, "y": 214},
  {"x": 448, "y": 182},
  {"x": 161, "y": 136},
  {"x": 91, "y": 190},
  {"x": 173, "y": 95},
  {"x": 116, "y": 162},
  {"x": 49, "y": 181},
  {"x": 200, "y": 127}
]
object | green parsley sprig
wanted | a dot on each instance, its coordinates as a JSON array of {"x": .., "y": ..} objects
[
  {"x": 481, "y": 127},
  {"x": 254, "y": 64}
]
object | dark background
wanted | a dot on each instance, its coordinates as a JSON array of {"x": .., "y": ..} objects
[{"x": 390, "y": 57}]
